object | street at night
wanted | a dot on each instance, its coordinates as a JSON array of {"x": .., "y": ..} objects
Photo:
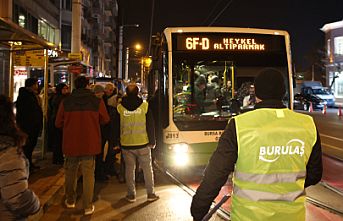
[
  {"x": 171, "y": 110},
  {"x": 176, "y": 189}
]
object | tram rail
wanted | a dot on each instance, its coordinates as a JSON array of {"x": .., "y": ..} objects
[
  {"x": 323, "y": 205},
  {"x": 226, "y": 215}
]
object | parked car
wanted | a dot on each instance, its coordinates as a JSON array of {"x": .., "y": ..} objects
[{"x": 303, "y": 102}]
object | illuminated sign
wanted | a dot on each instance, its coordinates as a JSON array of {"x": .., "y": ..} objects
[
  {"x": 235, "y": 42},
  {"x": 52, "y": 53},
  {"x": 32, "y": 58},
  {"x": 195, "y": 43}
]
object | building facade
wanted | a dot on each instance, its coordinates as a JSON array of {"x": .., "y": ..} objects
[
  {"x": 41, "y": 19},
  {"x": 99, "y": 22},
  {"x": 51, "y": 20},
  {"x": 334, "y": 62}
]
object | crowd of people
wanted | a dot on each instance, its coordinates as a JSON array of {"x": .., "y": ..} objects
[
  {"x": 92, "y": 123},
  {"x": 86, "y": 129}
]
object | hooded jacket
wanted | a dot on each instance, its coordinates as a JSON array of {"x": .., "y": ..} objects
[
  {"x": 131, "y": 104},
  {"x": 80, "y": 116},
  {"x": 17, "y": 202}
]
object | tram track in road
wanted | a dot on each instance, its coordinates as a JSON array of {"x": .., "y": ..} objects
[
  {"x": 332, "y": 188},
  {"x": 323, "y": 205},
  {"x": 314, "y": 200},
  {"x": 326, "y": 205},
  {"x": 225, "y": 215}
]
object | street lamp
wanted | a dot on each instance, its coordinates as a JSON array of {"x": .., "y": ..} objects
[
  {"x": 120, "y": 60},
  {"x": 137, "y": 47}
]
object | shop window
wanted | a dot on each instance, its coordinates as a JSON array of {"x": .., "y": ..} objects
[
  {"x": 338, "y": 45},
  {"x": 43, "y": 29},
  {"x": 51, "y": 34},
  {"x": 66, "y": 36},
  {"x": 68, "y": 5},
  {"x": 22, "y": 20}
]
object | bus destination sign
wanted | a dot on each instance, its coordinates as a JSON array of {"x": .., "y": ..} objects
[{"x": 223, "y": 42}]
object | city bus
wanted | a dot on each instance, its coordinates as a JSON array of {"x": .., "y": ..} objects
[{"x": 203, "y": 76}]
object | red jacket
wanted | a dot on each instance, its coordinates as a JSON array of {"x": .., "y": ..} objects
[{"x": 80, "y": 116}]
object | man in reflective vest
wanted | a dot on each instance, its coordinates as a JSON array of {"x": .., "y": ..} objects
[
  {"x": 274, "y": 152},
  {"x": 137, "y": 138}
]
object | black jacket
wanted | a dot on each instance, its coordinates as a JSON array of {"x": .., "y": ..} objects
[
  {"x": 223, "y": 161},
  {"x": 131, "y": 104},
  {"x": 29, "y": 112},
  {"x": 108, "y": 132}
]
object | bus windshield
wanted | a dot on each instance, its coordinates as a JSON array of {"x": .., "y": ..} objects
[{"x": 209, "y": 88}]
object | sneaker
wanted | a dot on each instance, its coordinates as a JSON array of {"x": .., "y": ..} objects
[
  {"x": 89, "y": 211},
  {"x": 152, "y": 197},
  {"x": 69, "y": 205},
  {"x": 130, "y": 198}
]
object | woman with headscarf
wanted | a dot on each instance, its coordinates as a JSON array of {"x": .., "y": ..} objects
[{"x": 17, "y": 202}]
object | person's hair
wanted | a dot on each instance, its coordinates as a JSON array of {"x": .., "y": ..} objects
[
  {"x": 30, "y": 81},
  {"x": 132, "y": 90},
  {"x": 109, "y": 85},
  {"x": 81, "y": 82},
  {"x": 98, "y": 88},
  {"x": 59, "y": 88},
  {"x": 8, "y": 126},
  {"x": 200, "y": 80},
  {"x": 270, "y": 85}
]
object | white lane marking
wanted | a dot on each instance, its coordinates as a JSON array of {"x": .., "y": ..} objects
[{"x": 334, "y": 138}]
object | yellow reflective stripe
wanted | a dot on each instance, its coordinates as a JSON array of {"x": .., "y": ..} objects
[
  {"x": 255, "y": 195},
  {"x": 136, "y": 132},
  {"x": 134, "y": 124},
  {"x": 270, "y": 178}
]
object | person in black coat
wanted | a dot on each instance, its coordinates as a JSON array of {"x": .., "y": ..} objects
[
  {"x": 29, "y": 116},
  {"x": 224, "y": 158},
  {"x": 62, "y": 91}
]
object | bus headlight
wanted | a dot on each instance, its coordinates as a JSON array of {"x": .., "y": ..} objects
[
  {"x": 180, "y": 154},
  {"x": 180, "y": 148}
]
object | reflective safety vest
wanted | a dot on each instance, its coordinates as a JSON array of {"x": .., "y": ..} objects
[
  {"x": 133, "y": 125},
  {"x": 274, "y": 146}
]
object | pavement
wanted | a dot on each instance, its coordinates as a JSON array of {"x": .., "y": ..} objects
[
  {"x": 174, "y": 204},
  {"x": 45, "y": 182},
  {"x": 109, "y": 201}
]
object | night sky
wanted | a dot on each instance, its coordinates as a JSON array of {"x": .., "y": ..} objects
[{"x": 301, "y": 18}]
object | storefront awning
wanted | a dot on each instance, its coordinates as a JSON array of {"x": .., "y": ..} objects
[{"x": 25, "y": 40}]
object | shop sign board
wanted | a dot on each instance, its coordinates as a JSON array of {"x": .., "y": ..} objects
[
  {"x": 32, "y": 58},
  {"x": 75, "y": 56}
]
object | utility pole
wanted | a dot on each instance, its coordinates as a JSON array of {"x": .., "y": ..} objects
[
  {"x": 75, "y": 32},
  {"x": 120, "y": 59},
  {"x": 142, "y": 71},
  {"x": 127, "y": 63}
]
